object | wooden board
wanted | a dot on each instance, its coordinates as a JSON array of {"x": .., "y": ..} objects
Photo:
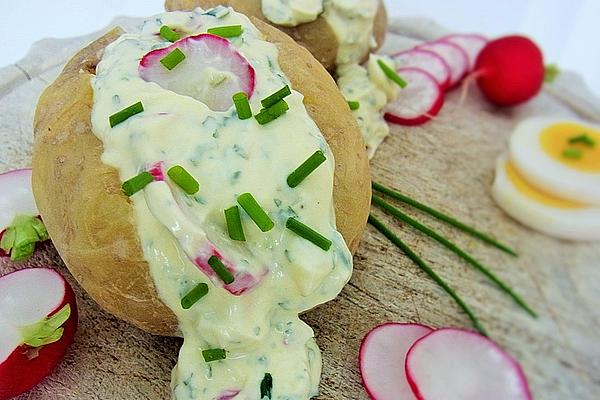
[{"x": 447, "y": 163}]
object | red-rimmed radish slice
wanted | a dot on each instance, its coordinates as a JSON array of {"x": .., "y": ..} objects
[
  {"x": 455, "y": 364},
  {"x": 38, "y": 320},
  {"x": 16, "y": 196},
  {"x": 382, "y": 358},
  {"x": 418, "y": 102},
  {"x": 471, "y": 43},
  {"x": 456, "y": 58},
  {"x": 427, "y": 61},
  {"x": 212, "y": 71}
]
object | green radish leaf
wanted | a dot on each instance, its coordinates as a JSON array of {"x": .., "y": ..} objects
[{"x": 47, "y": 331}]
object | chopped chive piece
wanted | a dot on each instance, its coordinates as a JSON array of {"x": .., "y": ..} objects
[
  {"x": 583, "y": 139},
  {"x": 443, "y": 217},
  {"x": 255, "y": 211},
  {"x": 399, "y": 215},
  {"x": 266, "y": 387},
  {"x": 125, "y": 113},
  {"x": 391, "y": 74},
  {"x": 221, "y": 270},
  {"x": 169, "y": 34},
  {"x": 308, "y": 233},
  {"x": 354, "y": 105},
  {"x": 551, "y": 72},
  {"x": 242, "y": 105},
  {"x": 211, "y": 355},
  {"x": 226, "y": 31},
  {"x": 275, "y": 97},
  {"x": 381, "y": 227},
  {"x": 267, "y": 115},
  {"x": 574, "y": 154},
  {"x": 306, "y": 168},
  {"x": 183, "y": 179},
  {"x": 234, "y": 224},
  {"x": 172, "y": 59},
  {"x": 194, "y": 295},
  {"x": 137, "y": 183},
  {"x": 218, "y": 12}
]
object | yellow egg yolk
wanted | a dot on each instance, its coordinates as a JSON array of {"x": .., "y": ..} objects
[
  {"x": 535, "y": 194},
  {"x": 555, "y": 140}
]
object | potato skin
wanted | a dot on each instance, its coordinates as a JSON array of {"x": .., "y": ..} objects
[
  {"x": 91, "y": 222},
  {"x": 316, "y": 36}
]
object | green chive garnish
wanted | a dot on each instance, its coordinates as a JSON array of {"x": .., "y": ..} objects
[
  {"x": 221, "y": 270},
  {"x": 218, "y": 12},
  {"x": 211, "y": 355},
  {"x": 381, "y": 227},
  {"x": 126, "y": 113},
  {"x": 183, "y": 179},
  {"x": 267, "y": 115},
  {"x": 242, "y": 105},
  {"x": 234, "y": 224},
  {"x": 354, "y": 105},
  {"x": 308, "y": 233},
  {"x": 573, "y": 154},
  {"x": 255, "y": 211},
  {"x": 384, "y": 205},
  {"x": 194, "y": 295},
  {"x": 137, "y": 183},
  {"x": 172, "y": 59},
  {"x": 306, "y": 168},
  {"x": 391, "y": 74},
  {"x": 583, "y": 139},
  {"x": 275, "y": 97},
  {"x": 266, "y": 387},
  {"x": 443, "y": 217},
  {"x": 226, "y": 31},
  {"x": 169, "y": 34}
]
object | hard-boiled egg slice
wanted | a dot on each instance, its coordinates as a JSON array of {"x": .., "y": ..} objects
[
  {"x": 541, "y": 211},
  {"x": 559, "y": 156}
]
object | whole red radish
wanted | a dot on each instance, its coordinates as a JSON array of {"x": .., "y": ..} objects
[
  {"x": 38, "y": 320},
  {"x": 510, "y": 70}
]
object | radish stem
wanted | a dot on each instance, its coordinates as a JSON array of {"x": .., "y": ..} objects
[
  {"x": 384, "y": 205},
  {"x": 381, "y": 227},
  {"x": 443, "y": 217}
]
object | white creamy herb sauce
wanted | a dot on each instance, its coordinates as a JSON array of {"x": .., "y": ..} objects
[
  {"x": 352, "y": 21},
  {"x": 259, "y": 329}
]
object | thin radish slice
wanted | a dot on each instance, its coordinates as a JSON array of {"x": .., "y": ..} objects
[
  {"x": 16, "y": 196},
  {"x": 455, "y": 364},
  {"x": 418, "y": 102},
  {"x": 427, "y": 61},
  {"x": 38, "y": 320},
  {"x": 212, "y": 71},
  {"x": 456, "y": 58},
  {"x": 471, "y": 43},
  {"x": 382, "y": 357}
]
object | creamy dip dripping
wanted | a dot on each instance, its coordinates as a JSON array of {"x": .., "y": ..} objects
[{"x": 260, "y": 329}]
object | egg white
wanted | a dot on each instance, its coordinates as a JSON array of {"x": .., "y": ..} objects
[
  {"x": 571, "y": 224},
  {"x": 548, "y": 174}
]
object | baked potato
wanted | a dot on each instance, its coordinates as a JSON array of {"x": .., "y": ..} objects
[
  {"x": 316, "y": 36},
  {"x": 91, "y": 221}
]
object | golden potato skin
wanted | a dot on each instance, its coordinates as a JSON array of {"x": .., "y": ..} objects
[
  {"x": 91, "y": 222},
  {"x": 316, "y": 36}
]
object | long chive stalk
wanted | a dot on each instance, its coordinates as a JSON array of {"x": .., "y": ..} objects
[
  {"x": 384, "y": 205},
  {"x": 443, "y": 217},
  {"x": 381, "y": 227}
]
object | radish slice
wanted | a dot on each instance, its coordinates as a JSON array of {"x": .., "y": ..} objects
[
  {"x": 454, "y": 364},
  {"x": 471, "y": 43},
  {"x": 38, "y": 320},
  {"x": 456, "y": 58},
  {"x": 418, "y": 102},
  {"x": 16, "y": 196},
  {"x": 427, "y": 61},
  {"x": 382, "y": 357},
  {"x": 212, "y": 71}
]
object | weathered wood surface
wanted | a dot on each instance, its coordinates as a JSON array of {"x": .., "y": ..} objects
[{"x": 448, "y": 163}]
